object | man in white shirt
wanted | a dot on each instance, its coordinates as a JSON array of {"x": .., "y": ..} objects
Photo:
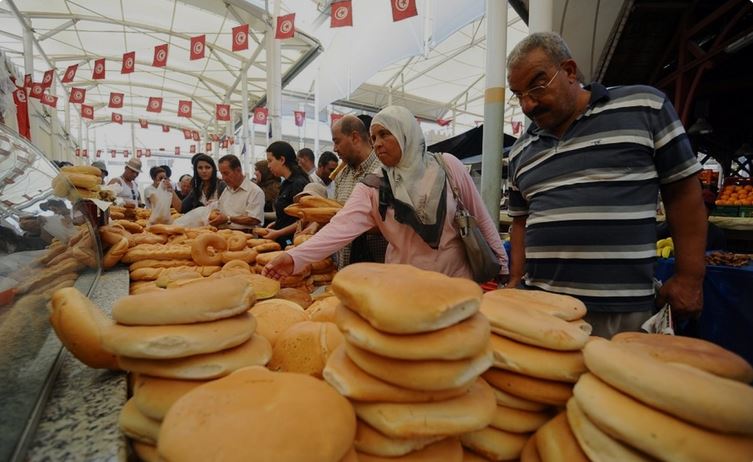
[
  {"x": 306, "y": 160},
  {"x": 327, "y": 164},
  {"x": 241, "y": 204}
]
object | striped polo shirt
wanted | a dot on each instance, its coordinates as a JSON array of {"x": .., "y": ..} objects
[{"x": 590, "y": 197}]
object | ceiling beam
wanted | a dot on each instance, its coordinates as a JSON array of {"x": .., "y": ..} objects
[{"x": 56, "y": 30}]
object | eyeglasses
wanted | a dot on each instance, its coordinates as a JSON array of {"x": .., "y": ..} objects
[{"x": 534, "y": 92}]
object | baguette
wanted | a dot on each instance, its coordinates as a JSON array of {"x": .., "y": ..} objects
[
  {"x": 157, "y": 252},
  {"x": 316, "y": 201},
  {"x": 116, "y": 252},
  {"x": 85, "y": 169},
  {"x": 83, "y": 180},
  {"x": 160, "y": 264}
]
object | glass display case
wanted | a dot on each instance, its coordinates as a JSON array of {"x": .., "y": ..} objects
[{"x": 46, "y": 243}]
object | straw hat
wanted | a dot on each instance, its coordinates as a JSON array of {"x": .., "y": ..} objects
[
  {"x": 312, "y": 189},
  {"x": 134, "y": 164}
]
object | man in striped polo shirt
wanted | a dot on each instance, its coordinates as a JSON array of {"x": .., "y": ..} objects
[{"x": 584, "y": 182}]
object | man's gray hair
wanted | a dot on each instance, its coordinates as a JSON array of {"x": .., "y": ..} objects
[{"x": 549, "y": 42}]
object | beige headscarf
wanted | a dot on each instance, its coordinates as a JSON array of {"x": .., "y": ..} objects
[{"x": 417, "y": 180}]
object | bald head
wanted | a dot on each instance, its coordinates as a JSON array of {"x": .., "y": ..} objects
[{"x": 351, "y": 140}]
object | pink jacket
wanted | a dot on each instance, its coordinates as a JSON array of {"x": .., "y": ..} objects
[{"x": 361, "y": 213}]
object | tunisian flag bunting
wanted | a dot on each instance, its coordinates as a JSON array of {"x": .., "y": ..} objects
[
  {"x": 37, "y": 90},
  {"x": 125, "y": 152},
  {"x": 222, "y": 112},
  {"x": 78, "y": 95},
  {"x": 300, "y": 116},
  {"x": 197, "y": 47},
  {"x": 99, "y": 153},
  {"x": 148, "y": 153},
  {"x": 99, "y": 69},
  {"x": 443, "y": 122},
  {"x": 403, "y": 9},
  {"x": 117, "y": 118},
  {"x": 113, "y": 152},
  {"x": 154, "y": 105},
  {"x": 22, "y": 112},
  {"x": 341, "y": 14},
  {"x": 516, "y": 126},
  {"x": 240, "y": 37},
  {"x": 334, "y": 118},
  {"x": 165, "y": 128},
  {"x": 196, "y": 136},
  {"x": 85, "y": 152},
  {"x": 87, "y": 112},
  {"x": 192, "y": 149},
  {"x": 47, "y": 79},
  {"x": 209, "y": 147},
  {"x": 177, "y": 150},
  {"x": 184, "y": 108},
  {"x": 70, "y": 73},
  {"x": 143, "y": 123},
  {"x": 129, "y": 62},
  {"x": 285, "y": 26},
  {"x": 139, "y": 153},
  {"x": 160, "y": 56},
  {"x": 50, "y": 100},
  {"x": 187, "y": 134},
  {"x": 27, "y": 81},
  {"x": 116, "y": 100},
  {"x": 260, "y": 115},
  {"x": 78, "y": 152}
]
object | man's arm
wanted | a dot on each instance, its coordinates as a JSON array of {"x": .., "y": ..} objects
[
  {"x": 517, "y": 250},
  {"x": 686, "y": 216}
]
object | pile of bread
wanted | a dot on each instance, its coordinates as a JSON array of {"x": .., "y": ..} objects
[
  {"x": 80, "y": 182},
  {"x": 314, "y": 209},
  {"x": 136, "y": 215}
]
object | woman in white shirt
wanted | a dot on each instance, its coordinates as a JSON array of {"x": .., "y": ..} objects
[{"x": 159, "y": 175}]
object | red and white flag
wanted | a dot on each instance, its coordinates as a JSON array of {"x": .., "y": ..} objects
[
  {"x": 116, "y": 118},
  {"x": 78, "y": 95},
  {"x": 47, "y": 79},
  {"x": 165, "y": 128},
  {"x": 443, "y": 122},
  {"x": 222, "y": 112},
  {"x": 285, "y": 26},
  {"x": 214, "y": 137},
  {"x": 139, "y": 153},
  {"x": 240, "y": 37},
  {"x": 177, "y": 150},
  {"x": 223, "y": 144},
  {"x": 78, "y": 152},
  {"x": 403, "y": 9},
  {"x": 85, "y": 152},
  {"x": 116, "y": 100},
  {"x": 260, "y": 115},
  {"x": 70, "y": 73},
  {"x": 334, "y": 118},
  {"x": 196, "y": 136},
  {"x": 125, "y": 153},
  {"x": 129, "y": 62},
  {"x": 516, "y": 126},
  {"x": 300, "y": 117},
  {"x": 99, "y": 69},
  {"x": 148, "y": 153},
  {"x": 27, "y": 81},
  {"x": 197, "y": 46},
  {"x": 154, "y": 105},
  {"x": 87, "y": 112},
  {"x": 113, "y": 152},
  {"x": 209, "y": 147},
  {"x": 143, "y": 123},
  {"x": 99, "y": 153},
  {"x": 341, "y": 14},
  {"x": 184, "y": 108},
  {"x": 37, "y": 90},
  {"x": 22, "y": 112},
  {"x": 187, "y": 134},
  {"x": 160, "y": 56},
  {"x": 192, "y": 149},
  {"x": 49, "y": 100}
]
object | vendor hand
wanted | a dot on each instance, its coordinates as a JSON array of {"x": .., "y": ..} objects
[
  {"x": 272, "y": 234},
  {"x": 168, "y": 186},
  {"x": 684, "y": 295},
  {"x": 280, "y": 267},
  {"x": 220, "y": 219}
]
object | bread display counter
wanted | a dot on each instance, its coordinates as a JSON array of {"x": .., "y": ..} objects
[{"x": 46, "y": 243}]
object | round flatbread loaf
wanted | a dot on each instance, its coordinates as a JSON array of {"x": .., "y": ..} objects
[
  {"x": 136, "y": 425},
  {"x": 530, "y": 453},
  {"x": 565, "y": 366},
  {"x": 402, "y": 299},
  {"x": 463, "y": 340},
  {"x": 370, "y": 441},
  {"x": 560, "y": 306},
  {"x": 351, "y": 381},
  {"x": 555, "y": 442},
  {"x": 154, "y": 396},
  {"x": 532, "y": 326},
  {"x": 508, "y": 400},
  {"x": 469, "y": 456},
  {"x": 447, "y": 450},
  {"x": 255, "y": 414},
  {"x": 495, "y": 444},
  {"x": 651, "y": 431},
  {"x": 466, "y": 413},
  {"x": 295, "y": 295},
  {"x": 678, "y": 389},
  {"x": 146, "y": 452},
  {"x": 323, "y": 310},
  {"x": 276, "y": 315},
  {"x": 691, "y": 351},
  {"x": 530, "y": 388},
  {"x": 421, "y": 375},
  {"x": 200, "y": 301},
  {"x": 180, "y": 340},
  {"x": 255, "y": 352},
  {"x": 304, "y": 348},
  {"x": 595, "y": 443},
  {"x": 518, "y": 421}
]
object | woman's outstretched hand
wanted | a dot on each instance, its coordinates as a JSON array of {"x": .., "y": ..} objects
[{"x": 280, "y": 267}]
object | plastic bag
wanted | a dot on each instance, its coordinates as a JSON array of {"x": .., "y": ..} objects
[
  {"x": 161, "y": 206},
  {"x": 196, "y": 217}
]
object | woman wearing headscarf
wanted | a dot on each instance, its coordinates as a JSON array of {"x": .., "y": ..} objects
[
  {"x": 409, "y": 200},
  {"x": 206, "y": 187},
  {"x": 268, "y": 183}
]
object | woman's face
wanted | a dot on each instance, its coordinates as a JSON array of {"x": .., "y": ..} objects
[
  {"x": 385, "y": 145},
  {"x": 276, "y": 166},
  {"x": 204, "y": 169},
  {"x": 257, "y": 175},
  {"x": 157, "y": 179}
]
